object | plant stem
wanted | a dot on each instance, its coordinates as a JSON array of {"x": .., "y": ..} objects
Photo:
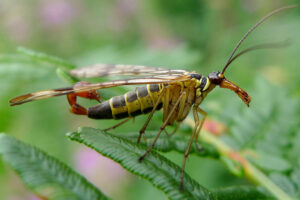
[
  {"x": 250, "y": 171},
  {"x": 46, "y": 58},
  {"x": 64, "y": 75}
]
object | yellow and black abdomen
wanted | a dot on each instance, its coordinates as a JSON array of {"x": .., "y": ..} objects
[{"x": 131, "y": 104}]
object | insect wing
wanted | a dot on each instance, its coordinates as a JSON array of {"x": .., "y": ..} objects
[
  {"x": 39, "y": 95},
  {"x": 96, "y": 86},
  {"x": 100, "y": 70}
]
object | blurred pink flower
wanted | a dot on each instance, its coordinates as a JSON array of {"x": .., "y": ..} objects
[
  {"x": 122, "y": 14},
  {"x": 127, "y": 7},
  {"x": 57, "y": 12},
  {"x": 101, "y": 171},
  {"x": 251, "y": 6},
  {"x": 33, "y": 197}
]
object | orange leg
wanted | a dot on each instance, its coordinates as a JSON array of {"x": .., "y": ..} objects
[{"x": 72, "y": 98}]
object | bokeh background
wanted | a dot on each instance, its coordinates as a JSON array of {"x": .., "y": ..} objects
[{"x": 194, "y": 35}]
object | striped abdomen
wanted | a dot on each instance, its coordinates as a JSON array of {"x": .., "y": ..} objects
[{"x": 142, "y": 100}]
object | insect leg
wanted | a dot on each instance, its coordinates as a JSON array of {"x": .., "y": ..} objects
[
  {"x": 142, "y": 131},
  {"x": 187, "y": 151},
  {"x": 202, "y": 112},
  {"x": 91, "y": 94},
  {"x": 166, "y": 107},
  {"x": 163, "y": 126},
  {"x": 174, "y": 131},
  {"x": 181, "y": 109},
  {"x": 118, "y": 124},
  {"x": 72, "y": 98},
  {"x": 76, "y": 108},
  {"x": 166, "y": 103}
]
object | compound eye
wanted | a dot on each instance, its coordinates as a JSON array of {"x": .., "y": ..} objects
[{"x": 215, "y": 77}]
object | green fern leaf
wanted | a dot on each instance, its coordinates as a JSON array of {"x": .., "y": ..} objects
[
  {"x": 38, "y": 56},
  {"x": 177, "y": 143},
  {"x": 45, "y": 175},
  {"x": 242, "y": 192},
  {"x": 161, "y": 172}
]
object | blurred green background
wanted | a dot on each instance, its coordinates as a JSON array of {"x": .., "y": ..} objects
[{"x": 195, "y": 35}]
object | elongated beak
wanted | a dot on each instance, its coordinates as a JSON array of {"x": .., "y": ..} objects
[{"x": 239, "y": 91}]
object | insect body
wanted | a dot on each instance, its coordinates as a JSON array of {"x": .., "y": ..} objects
[
  {"x": 176, "y": 92},
  {"x": 131, "y": 104},
  {"x": 144, "y": 98}
]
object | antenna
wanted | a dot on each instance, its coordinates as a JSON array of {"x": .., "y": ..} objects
[
  {"x": 262, "y": 46},
  {"x": 251, "y": 30}
]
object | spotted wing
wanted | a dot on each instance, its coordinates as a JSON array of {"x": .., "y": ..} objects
[
  {"x": 100, "y": 70},
  {"x": 96, "y": 86}
]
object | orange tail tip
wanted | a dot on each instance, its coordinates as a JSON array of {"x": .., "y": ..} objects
[{"x": 239, "y": 91}]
